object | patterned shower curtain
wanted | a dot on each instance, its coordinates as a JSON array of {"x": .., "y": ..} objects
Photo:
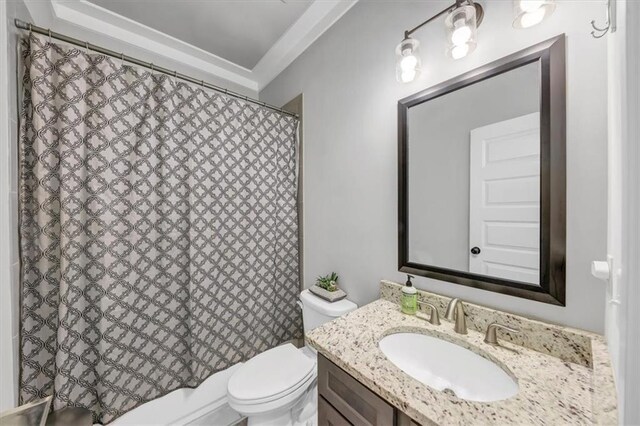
[{"x": 158, "y": 230}]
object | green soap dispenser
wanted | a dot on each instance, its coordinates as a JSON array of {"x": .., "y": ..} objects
[{"x": 409, "y": 301}]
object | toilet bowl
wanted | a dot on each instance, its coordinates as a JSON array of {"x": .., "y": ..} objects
[
  {"x": 272, "y": 385},
  {"x": 278, "y": 386}
]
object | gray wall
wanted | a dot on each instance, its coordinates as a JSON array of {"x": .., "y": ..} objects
[
  {"x": 439, "y": 148},
  {"x": 350, "y": 95}
]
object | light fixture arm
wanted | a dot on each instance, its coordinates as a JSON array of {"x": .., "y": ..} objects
[{"x": 458, "y": 3}]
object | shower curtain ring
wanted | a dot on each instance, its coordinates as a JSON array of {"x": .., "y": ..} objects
[
  {"x": 49, "y": 35},
  {"x": 30, "y": 29},
  {"x": 175, "y": 74},
  {"x": 121, "y": 59},
  {"x": 202, "y": 83},
  {"x": 86, "y": 47}
]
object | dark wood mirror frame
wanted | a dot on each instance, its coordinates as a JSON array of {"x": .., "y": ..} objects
[{"x": 551, "y": 56}]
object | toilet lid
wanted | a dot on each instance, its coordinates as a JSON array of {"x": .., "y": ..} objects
[{"x": 271, "y": 374}]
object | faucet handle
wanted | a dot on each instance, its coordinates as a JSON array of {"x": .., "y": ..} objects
[
  {"x": 491, "y": 336},
  {"x": 434, "y": 317}
]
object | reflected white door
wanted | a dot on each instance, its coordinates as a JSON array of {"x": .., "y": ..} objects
[{"x": 504, "y": 199}]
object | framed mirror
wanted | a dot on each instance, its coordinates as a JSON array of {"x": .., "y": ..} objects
[{"x": 481, "y": 177}]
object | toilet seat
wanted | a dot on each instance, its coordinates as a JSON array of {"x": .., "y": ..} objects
[{"x": 271, "y": 380}]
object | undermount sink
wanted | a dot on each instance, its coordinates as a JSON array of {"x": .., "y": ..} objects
[{"x": 444, "y": 365}]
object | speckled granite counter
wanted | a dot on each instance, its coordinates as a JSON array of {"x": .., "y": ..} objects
[{"x": 552, "y": 390}]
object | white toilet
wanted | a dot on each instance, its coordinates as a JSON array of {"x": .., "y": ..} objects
[{"x": 278, "y": 386}]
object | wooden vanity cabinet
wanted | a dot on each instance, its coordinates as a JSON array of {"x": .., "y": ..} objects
[{"x": 343, "y": 401}]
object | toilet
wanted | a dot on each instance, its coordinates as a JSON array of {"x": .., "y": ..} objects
[{"x": 278, "y": 387}]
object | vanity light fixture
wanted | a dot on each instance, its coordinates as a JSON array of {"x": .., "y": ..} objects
[
  {"x": 408, "y": 62},
  {"x": 463, "y": 18},
  {"x": 531, "y": 12},
  {"x": 461, "y": 26}
]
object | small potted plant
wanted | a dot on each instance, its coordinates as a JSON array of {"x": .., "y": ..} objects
[
  {"x": 327, "y": 288},
  {"x": 329, "y": 282}
]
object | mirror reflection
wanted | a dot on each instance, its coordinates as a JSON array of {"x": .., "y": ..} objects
[{"x": 474, "y": 178}]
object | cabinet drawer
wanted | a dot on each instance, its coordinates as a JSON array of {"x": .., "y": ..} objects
[
  {"x": 329, "y": 416},
  {"x": 354, "y": 401}
]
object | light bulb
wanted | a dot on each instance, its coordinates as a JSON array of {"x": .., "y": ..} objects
[
  {"x": 407, "y": 76},
  {"x": 532, "y": 18},
  {"x": 461, "y": 26},
  {"x": 461, "y": 34},
  {"x": 407, "y": 60},
  {"x": 408, "y": 63},
  {"x": 460, "y": 51},
  {"x": 531, "y": 5},
  {"x": 531, "y": 12}
]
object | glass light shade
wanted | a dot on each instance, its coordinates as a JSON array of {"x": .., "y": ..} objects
[
  {"x": 531, "y": 12},
  {"x": 461, "y": 28},
  {"x": 408, "y": 62}
]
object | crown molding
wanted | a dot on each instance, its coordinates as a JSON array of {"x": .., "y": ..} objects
[
  {"x": 317, "y": 19},
  {"x": 103, "y": 21}
]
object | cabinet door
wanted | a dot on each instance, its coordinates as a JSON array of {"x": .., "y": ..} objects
[
  {"x": 403, "y": 420},
  {"x": 354, "y": 401},
  {"x": 329, "y": 416}
]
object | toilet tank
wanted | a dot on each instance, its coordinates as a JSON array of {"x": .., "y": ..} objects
[{"x": 317, "y": 311}]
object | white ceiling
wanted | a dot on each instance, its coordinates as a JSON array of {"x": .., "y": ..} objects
[
  {"x": 246, "y": 42},
  {"x": 240, "y": 31}
]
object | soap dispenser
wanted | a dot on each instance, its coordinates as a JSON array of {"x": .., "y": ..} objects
[{"x": 409, "y": 303}]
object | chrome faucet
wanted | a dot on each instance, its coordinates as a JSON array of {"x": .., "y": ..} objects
[{"x": 455, "y": 312}]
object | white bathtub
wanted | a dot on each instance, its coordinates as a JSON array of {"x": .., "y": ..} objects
[{"x": 205, "y": 405}]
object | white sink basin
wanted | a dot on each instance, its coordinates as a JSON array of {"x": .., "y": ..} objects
[{"x": 444, "y": 365}]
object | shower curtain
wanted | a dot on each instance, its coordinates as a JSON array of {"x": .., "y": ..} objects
[{"x": 158, "y": 231}]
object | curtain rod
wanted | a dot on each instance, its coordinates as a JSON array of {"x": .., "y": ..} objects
[{"x": 52, "y": 34}]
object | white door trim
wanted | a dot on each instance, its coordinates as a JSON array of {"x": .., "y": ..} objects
[{"x": 631, "y": 221}]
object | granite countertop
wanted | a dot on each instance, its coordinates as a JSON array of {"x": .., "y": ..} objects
[{"x": 551, "y": 390}]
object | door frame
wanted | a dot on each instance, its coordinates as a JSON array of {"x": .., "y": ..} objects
[
  {"x": 628, "y": 370},
  {"x": 551, "y": 56}
]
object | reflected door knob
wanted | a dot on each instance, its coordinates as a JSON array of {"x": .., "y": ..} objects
[{"x": 475, "y": 250}]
